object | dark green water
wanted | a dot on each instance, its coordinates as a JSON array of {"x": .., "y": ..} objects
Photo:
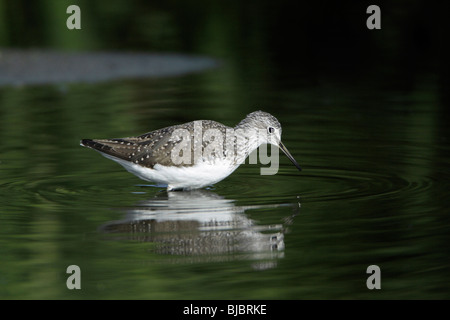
[{"x": 373, "y": 191}]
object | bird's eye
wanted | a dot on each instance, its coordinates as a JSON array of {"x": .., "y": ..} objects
[{"x": 271, "y": 129}]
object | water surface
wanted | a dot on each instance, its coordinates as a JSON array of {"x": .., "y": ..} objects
[
  {"x": 364, "y": 113},
  {"x": 373, "y": 191}
]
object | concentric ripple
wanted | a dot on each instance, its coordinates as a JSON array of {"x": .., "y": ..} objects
[
  {"x": 338, "y": 184},
  {"x": 318, "y": 184}
]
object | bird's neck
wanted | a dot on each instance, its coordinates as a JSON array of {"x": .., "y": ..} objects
[{"x": 247, "y": 140}]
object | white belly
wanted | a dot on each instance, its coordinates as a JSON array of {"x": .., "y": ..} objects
[{"x": 189, "y": 177}]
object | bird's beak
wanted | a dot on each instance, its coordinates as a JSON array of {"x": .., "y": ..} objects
[{"x": 286, "y": 152}]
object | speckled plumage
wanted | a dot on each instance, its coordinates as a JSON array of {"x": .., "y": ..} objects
[{"x": 150, "y": 148}]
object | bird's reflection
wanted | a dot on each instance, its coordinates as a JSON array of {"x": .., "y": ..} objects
[{"x": 203, "y": 225}]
